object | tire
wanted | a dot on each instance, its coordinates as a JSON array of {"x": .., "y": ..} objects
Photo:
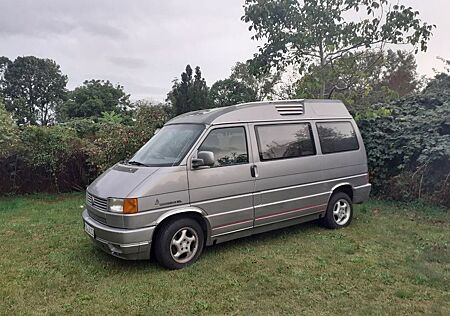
[
  {"x": 179, "y": 243},
  {"x": 339, "y": 211}
]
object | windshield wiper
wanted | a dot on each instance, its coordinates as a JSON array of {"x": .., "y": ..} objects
[{"x": 136, "y": 163}]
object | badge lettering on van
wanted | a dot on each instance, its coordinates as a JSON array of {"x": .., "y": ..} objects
[{"x": 157, "y": 203}]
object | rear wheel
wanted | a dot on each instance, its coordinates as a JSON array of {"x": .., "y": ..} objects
[
  {"x": 339, "y": 211},
  {"x": 179, "y": 243}
]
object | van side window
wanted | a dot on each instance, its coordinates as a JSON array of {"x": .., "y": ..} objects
[
  {"x": 337, "y": 137},
  {"x": 229, "y": 146},
  {"x": 285, "y": 141}
]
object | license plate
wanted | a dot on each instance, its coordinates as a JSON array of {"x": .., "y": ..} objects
[{"x": 89, "y": 230}]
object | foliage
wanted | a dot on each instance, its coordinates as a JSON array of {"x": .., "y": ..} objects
[
  {"x": 263, "y": 84},
  {"x": 69, "y": 155},
  {"x": 4, "y": 63},
  {"x": 245, "y": 84},
  {"x": 33, "y": 88},
  {"x": 50, "y": 149},
  {"x": 148, "y": 116},
  {"x": 230, "y": 92},
  {"x": 399, "y": 73},
  {"x": 360, "y": 81},
  {"x": 316, "y": 33},
  {"x": 85, "y": 128},
  {"x": 115, "y": 142},
  {"x": 189, "y": 94},
  {"x": 442, "y": 80},
  {"x": 94, "y": 98},
  {"x": 412, "y": 139},
  {"x": 8, "y": 133},
  {"x": 440, "y": 83},
  {"x": 373, "y": 113},
  {"x": 446, "y": 66},
  {"x": 110, "y": 118}
]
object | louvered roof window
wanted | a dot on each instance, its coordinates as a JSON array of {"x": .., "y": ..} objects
[{"x": 289, "y": 109}]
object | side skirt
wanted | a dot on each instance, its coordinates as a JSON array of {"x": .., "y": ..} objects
[{"x": 264, "y": 228}]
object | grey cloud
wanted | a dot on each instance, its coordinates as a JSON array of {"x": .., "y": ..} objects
[
  {"x": 146, "y": 90},
  {"x": 46, "y": 18},
  {"x": 128, "y": 62},
  {"x": 103, "y": 30},
  {"x": 35, "y": 27}
]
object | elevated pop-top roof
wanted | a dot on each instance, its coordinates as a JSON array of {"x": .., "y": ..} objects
[{"x": 283, "y": 110}]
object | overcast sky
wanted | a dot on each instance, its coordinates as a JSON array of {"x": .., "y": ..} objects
[{"x": 144, "y": 44}]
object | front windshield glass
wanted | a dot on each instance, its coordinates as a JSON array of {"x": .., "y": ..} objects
[{"x": 168, "y": 146}]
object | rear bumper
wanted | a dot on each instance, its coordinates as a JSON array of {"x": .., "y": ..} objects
[
  {"x": 361, "y": 193},
  {"x": 130, "y": 244}
]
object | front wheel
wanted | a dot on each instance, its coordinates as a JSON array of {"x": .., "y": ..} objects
[
  {"x": 339, "y": 211},
  {"x": 179, "y": 243}
]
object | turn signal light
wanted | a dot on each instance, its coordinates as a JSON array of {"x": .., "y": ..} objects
[{"x": 130, "y": 206}]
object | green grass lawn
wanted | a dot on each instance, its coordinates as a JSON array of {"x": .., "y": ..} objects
[{"x": 393, "y": 259}]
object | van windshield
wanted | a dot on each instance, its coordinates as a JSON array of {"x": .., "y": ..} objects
[{"x": 169, "y": 146}]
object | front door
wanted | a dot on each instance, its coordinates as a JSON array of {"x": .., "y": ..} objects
[{"x": 225, "y": 190}]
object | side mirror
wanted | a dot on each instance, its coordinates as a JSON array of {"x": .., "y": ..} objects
[{"x": 204, "y": 158}]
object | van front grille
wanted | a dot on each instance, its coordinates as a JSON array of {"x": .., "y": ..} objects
[
  {"x": 96, "y": 202},
  {"x": 289, "y": 109}
]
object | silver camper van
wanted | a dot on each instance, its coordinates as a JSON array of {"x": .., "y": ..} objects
[{"x": 219, "y": 174}]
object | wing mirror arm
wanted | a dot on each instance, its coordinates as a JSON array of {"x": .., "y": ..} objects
[{"x": 196, "y": 162}]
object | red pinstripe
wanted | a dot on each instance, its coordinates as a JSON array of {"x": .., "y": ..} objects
[{"x": 269, "y": 216}]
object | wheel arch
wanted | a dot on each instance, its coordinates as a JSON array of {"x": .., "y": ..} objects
[
  {"x": 344, "y": 187},
  {"x": 192, "y": 212}
]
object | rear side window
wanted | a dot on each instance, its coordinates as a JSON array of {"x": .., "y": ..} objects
[
  {"x": 229, "y": 146},
  {"x": 285, "y": 141},
  {"x": 337, "y": 137}
]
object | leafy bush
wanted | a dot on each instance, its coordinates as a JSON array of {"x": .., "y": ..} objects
[
  {"x": 50, "y": 150},
  {"x": 115, "y": 142},
  {"x": 409, "y": 147},
  {"x": 85, "y": 128},
  {"x": 8, "y": 133},
  {"x": 69, "y": 155}
]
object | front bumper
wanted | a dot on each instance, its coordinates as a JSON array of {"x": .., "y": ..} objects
[{"x": 130, "y": 244}]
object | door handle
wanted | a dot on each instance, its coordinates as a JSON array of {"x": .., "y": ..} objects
[{"x": 254, "y": 171}]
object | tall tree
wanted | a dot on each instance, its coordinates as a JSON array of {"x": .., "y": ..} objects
[
  {"x": 32, "y": 88},
  {"x": 263, "y": 84},
  {"x": 229, "y": 92},
  {"x": 8, "y": 132},
  {"x": 441, "y": 82},
  {"x": 189, "y": 94},
  {"x": 373, "y": 77},
  {"x": 318, "y": 33},
  {"x": 4, "y": 63},
  {"x": 93, "y": 98},
  {"x": 400, "y": 72}
]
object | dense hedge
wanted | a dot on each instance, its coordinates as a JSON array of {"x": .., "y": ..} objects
[
  {"x": 408, "y": 147},
  {"x": 68, "y": 156}
]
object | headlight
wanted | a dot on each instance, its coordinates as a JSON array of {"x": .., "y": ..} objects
[
  {"x": 125, "y": 206},
  {"x": 116, "y": 205}
]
